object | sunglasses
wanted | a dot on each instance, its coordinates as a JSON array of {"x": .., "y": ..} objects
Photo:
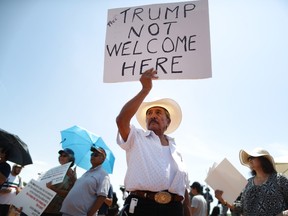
[
  {"x": 95, "y": 154},
  {"x": 63, "y": 155}
]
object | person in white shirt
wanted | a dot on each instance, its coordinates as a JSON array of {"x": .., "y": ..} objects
[
  {"x": 198, "y": 204},
  {"x": 155, "y": 178},
  {"x": 10, "y": 189}
]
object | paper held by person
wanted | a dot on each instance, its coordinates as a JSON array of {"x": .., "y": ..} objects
[
  {"x": 33, "y": 198},
  {"x": 224, "y": 176},
  {"x": 55, "y": 175}
]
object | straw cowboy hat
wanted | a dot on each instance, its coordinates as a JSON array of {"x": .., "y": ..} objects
[
  {"x": 257, "y": 152},
  {"x": 170, "y": 105}
]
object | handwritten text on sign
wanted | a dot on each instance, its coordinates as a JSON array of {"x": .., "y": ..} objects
[{"x": 172, "y": 38}]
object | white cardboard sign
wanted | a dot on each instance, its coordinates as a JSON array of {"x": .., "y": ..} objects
[
  {"x": 172, "y": 38},
  {"x": 34, "y": 198},
  {"x": 55, "y": 175},
  {"x": 226, "y": 177}
]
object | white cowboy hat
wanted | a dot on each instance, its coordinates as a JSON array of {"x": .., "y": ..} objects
[
  {"x": 170, "y": 105},
  {"x": 257, "y": 152}
]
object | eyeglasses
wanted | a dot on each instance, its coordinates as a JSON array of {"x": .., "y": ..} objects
[
  {"x": 63, "y": 155},
  {"x": 95, "y": 154}
]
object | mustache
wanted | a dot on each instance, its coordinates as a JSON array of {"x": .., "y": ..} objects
[{"x": 153, "y": 120}]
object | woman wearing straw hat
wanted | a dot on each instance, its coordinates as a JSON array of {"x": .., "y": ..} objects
[
  {"x": 155, "y": 177},
  {"x": 266, "y": 193}
]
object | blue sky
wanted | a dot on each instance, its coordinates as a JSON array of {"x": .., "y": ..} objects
[{"x": 51, "y": 72}]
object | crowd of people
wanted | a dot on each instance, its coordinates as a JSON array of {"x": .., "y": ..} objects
[
  {"x": 90, "y": 194},
  {"x": 156, "y": 181}
]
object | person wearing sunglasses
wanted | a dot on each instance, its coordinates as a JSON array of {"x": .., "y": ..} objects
[
  {"x": 156, "y": 176},
  {"x": 90, "y": 190},
  {"x": 53, "y": 209},
  {"x": 266, "y": 193}
]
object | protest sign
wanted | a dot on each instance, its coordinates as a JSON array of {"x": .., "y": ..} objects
[
  {"x": 55, "y": 175},
  {"x": 172, "y": 38},
  {"x": 33, "y": 198},
  {"x": 226, "y": 177}
]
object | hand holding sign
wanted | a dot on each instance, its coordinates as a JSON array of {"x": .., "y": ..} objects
[{"x": 146, "y": 78}]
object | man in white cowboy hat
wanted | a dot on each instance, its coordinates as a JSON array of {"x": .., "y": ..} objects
[{"x": 156, "y": 177}]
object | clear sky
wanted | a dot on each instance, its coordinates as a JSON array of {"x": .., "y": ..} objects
[{"x": 51, "y": 72}]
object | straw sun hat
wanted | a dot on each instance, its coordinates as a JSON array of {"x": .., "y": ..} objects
[
  {"x": 257, "y": 152},
  {"x": 170, "y": 105}
]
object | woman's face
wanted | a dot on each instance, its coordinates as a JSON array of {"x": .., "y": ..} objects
[
  {"x": 63, "y": 158},
  {"x": 254, "y": 163}
]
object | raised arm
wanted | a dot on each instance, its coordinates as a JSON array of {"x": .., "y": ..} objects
[{"x": 131, "y": 107}]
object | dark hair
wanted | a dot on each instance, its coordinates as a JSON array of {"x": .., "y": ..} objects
[
  {"x": 266, "y": 165},
  {"x": 198, "y": 187}
]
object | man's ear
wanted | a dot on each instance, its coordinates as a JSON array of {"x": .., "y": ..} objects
[
  {"x": 168, "y": 121},
  {"x": 103, "y": 158}
]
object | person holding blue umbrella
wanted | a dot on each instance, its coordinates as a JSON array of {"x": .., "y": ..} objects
[
  {"x": 90, "y": 190},
  {"x": 155, "y": 177}
]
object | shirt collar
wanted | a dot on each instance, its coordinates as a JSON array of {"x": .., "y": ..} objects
[
  {"x": 95, "y": 168},
  {"x": 149, "y": 133}
]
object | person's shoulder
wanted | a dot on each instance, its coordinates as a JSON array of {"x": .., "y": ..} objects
[
  {"x": 281, "y": 177},
  {"x": 250, "y": 178},
  {"x": 198, "y": 196},
  {"x": 202, "y": 197},
  {"x": 138, "y": 130},
  {"x": 104, "y": 174}
]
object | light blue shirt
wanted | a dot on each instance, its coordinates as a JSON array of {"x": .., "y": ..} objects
[{"x": 82, "y": 196}]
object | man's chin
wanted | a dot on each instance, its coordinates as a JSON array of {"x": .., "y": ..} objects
[{"x": 153, "y": 127}]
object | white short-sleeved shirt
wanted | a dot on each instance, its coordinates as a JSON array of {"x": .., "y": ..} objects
[
  {"x": 12, "y": 182},
  {"x": 151, "y": 166},
  {"x": 199, "y": 203}
]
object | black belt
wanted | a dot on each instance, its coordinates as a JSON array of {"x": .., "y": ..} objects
[{"x": 162, "y": 197}]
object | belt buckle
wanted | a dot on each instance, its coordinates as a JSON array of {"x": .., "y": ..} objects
[{"x": 163, "y": 197}]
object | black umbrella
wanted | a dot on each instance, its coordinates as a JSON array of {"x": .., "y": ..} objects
[{"x": 17, "y": 150}]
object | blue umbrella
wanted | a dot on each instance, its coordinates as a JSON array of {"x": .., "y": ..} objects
[{"x": 80, "y": 141}]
